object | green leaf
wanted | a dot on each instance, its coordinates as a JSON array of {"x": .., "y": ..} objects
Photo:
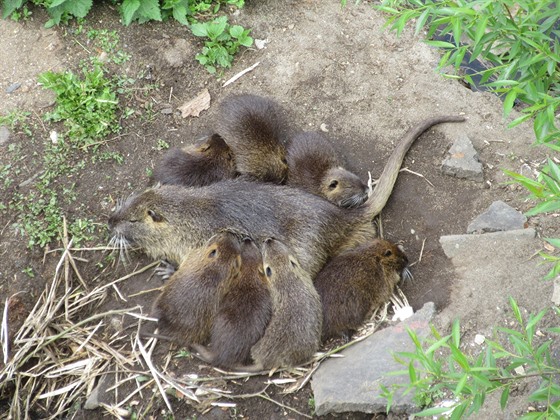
[
  {"x": 519, "y": 120},
  {"x": 128, "y": 9},
  {"x": 433, "y": 411},
  {"x": 236, "y": 31},
  {"x": 199, "y": 29},
  {"x": 504, "y": 397},
  {"x": 535, "y": 320},
  {"x": 554, "y": 242},
  {"x": 545, "y": 207},
  {"x": 456, "y": 333},
  {"x": 412, "y": 373},
  {"x": 509, "y": 101},
  {"x": 78, "y": 8},
  {"x": 216, "y": 27},
  {"x": 149, "y": 10},
  {"x": 9, "y": 6},
  {"x": 421, "y": 21},
  {"x": 516, "y": 311},
  {"x": 440, "y": 44},
  {"x": 461, "y": 384}
]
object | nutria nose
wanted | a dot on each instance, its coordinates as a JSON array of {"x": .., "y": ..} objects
[{"x": 268, "y": 241}]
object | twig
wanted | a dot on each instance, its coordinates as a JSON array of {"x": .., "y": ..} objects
[
  {"x": 241, "y": 73},
  {"x": 417, "y": 174}
]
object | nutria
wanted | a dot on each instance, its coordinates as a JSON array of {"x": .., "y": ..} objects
[
  {"x": 187, "y": 305},
  {"x": 243, "y": 313},
  {"x": 166, "y": 221},
  {"x": 293, "y": 334},
  {"x": 356, "y": 282},
  {"x": 257, "y": 131},
  {"x": 209, "y": 161},
  {"x": 313, "y": 165}
]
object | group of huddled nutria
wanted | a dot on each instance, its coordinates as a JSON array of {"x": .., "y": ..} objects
[{"x": 272, "y": 238}]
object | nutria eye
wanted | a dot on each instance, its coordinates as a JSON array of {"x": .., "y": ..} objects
[
  {"x": 388, "y": 253},
  {"x": 284, "y": 161},
  {"x": 155, "y": 217},
  {"x": 333, "y": 184},
  {"x": 294, "y": 264},
  {"x": 212, "y": 253},
  {"x": 268, "y": 272}
]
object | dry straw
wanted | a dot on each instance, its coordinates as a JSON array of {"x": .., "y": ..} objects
[{"x": 57, "y": 357}]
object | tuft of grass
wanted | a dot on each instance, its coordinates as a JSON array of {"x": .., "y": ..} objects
[{"x": 467, "y": 380}]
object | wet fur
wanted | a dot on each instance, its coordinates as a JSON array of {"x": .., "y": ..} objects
[
  {"x": 293, "y": 333},
  {"x": 257, "y": 131},
  {"x": 314, "y": 166},
  {"x": 243, "y": 313},
  {"x": 167, "y": 221},
  {"x": 189, "y": 301},
  {"x": 195, "y": 166},
  {"x": 356, "y": 282}
]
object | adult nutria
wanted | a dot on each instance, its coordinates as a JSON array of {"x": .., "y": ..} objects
[
  {"x": 197, "y": 165},
  {"x": 187, "y": 305},
  {"x": 314, "y": 166},
  {"x": 356, "y": 282},
  {"x": 293, "y": 334},
  {"x": 244, "y": 310},
  {"x": 167, "y": 221},
  {"x": 257, "y": 131}
]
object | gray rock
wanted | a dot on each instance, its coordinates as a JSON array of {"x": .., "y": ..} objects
[
  {"x": 463, "y": 161},
  {"x": 13, "y": 87},
  {"x": 353, "y": 383},
  {"x": 4, "y": 134},
  {"x": 498, "y": 217}
]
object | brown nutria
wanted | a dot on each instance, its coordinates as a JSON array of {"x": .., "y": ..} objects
[
  {"x": 187, "y": 305},
  {"x": 356, "y": 282},
  {"x": 197, "y": 165},
  {"x": 257, "y": 131},
  {"x": 293, "y": 334},
  {"x": 313, "y": 166},
  {"x": 244, "y": 311},
  {"x": 167, "y": 221}
]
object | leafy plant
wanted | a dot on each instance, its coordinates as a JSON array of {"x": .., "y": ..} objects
[
  {"x": 518, "y": 39},
  {"x": 87, "y": 106},
  {"x": 546, "y": 190},
  {"x": 467, "y": 380},
  {"x": 224, "y": 42}
]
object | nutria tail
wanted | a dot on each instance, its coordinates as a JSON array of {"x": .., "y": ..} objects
[{"x": 388, "y": 177}]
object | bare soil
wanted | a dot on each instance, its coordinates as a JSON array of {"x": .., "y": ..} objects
[{"x": 334, "y": 69}]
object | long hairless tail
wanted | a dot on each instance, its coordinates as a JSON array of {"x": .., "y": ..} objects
[{"x": 388, "y": 177}]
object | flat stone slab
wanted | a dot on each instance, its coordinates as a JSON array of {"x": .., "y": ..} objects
[
  {"x": 498, "y": 217},
  {"x": 463, "y": 161},
  {"x": 353, "y": 383},
  {"x": 4, "y": 134}
]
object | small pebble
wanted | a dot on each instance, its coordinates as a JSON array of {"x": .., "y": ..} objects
[
  {"x": 479, "y": 339},
  {"x": 13, "y": 87},
  {"x": 4, "y": 134}
]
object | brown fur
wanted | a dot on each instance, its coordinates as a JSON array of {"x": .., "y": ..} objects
[
  {"x": 243, "y": 313},
  {"x": 356, "y": 282},
  {"x": 257, "y": 131},
  {"x": 188, "y": 303},
  {"x": 293, "y": 334},
  {"x": 167, "y": 221},
  {"x": 313, "y": 166},
  {"x": 198, "y": 165}
]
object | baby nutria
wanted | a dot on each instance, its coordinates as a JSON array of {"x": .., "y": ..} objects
[
  {"x": 313, "y": 166},
  {"x": 167, "y": 221},
  {"x": 197, "y": 165},
  {"x": 244, "y": 311},
  {"x": 256, "y": 129},
  {"x": 293, "y": 334},
  {"x": 187, "y": 305},
  {"x": 356, "y": 282}
]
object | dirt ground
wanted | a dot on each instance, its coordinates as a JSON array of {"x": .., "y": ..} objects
[{"x": 332, "y": 68}]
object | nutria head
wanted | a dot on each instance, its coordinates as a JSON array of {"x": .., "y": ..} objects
[
  {"x": 392, "y": 259},
  {"x": 278, "y": 260},
  {"x": 343, "y": 188},
  {"x": 220, "y": 257},
  {"x": 216, "y": 147}
]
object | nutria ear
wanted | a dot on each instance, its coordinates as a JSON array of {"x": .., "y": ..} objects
[
  {"x": 293, "y": 262},
  {"x": 333, "y": 184},
  {"x": 156, "y": 217},
  {"x": 388, "y": 253}
]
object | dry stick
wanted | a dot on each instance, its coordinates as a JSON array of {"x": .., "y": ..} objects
[
  {"x": 241, "y": 73},
  {"x": 266, "y": 397},
  {"x": 417, "y": 174},
  {"x": 154, "y": 372},
  {"x": 4, "y": 333}
]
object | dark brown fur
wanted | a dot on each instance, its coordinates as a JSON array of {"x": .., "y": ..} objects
[
  {"x": 356, "y": 282},
  {"x": 243, "y": 313},
  {"x": 167, "y": 221},
  {"x": 188, "y": 303},
  {"x": 313, "y": 165},
  {"x": 198, "y": 165},
  {"x": 257, "y": 131},
  {"x": 293, "y": 333}
]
